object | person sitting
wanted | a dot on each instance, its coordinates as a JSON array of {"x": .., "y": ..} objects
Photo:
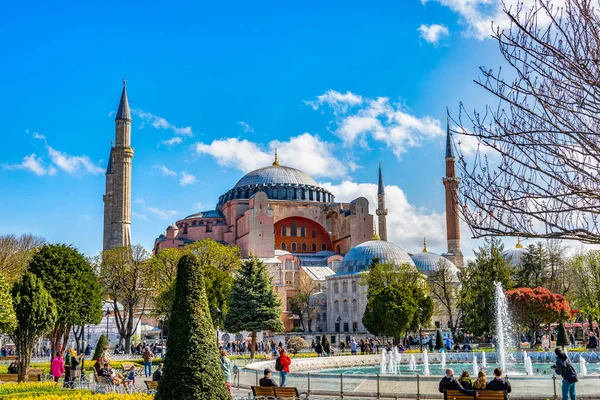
[
  {"x": 466, "y": 381},
  {"x": 105, "y": 373},
  {"x": 98, "y": 366},
  {"x": 267, "y": 380},
  {"x": 481, "y": 382},
  {"x": 449, "y": 382},
  {"x": 498, "y": 383},
  {"x": 466, "y": 347},
  {"x": 13, "y": 368},
  {"x": 158, "y": 373}
]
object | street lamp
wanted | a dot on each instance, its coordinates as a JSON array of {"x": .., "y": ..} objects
[
  {"x": 217, "y": 314},
  {"x": 107, "y": 315},
  {"x": 339, "y": 326}
]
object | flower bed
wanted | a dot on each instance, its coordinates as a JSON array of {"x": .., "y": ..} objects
[{"x": 51, "y": 391}]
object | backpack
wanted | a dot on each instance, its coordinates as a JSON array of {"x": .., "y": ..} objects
[
  {"x": 278, "y": 366},
  {"x": 569, "y": 372}
]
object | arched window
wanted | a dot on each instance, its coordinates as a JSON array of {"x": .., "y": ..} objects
[
  {"x": 303, "y": 231},
  {"x": 323, "y": 246},
  {"x": 283, "y": 247},
  {"x": 294, "y": 247},
  {"x": 344, "y": 287},
  {"x": 354, "y": 305},
  {"x": 336, "y": 306},
  {"x": 284, "y": 231},
  {"x": 303, "y": 246},
  {"x": 314, "y": 247},
  {"x": 336, "y": 288},
  {"x": 314, "y": 234},
  {"x": 353, "y": 286},
  {"x": 345, "y": 305},
  {"x": 293, "y": 231},
  {"x": 283, "y": 193}
]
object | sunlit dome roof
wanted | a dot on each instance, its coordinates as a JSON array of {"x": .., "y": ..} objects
[
  {"x": 276, "y": 175},
  {"x": 428, "y": 263},
  {"x": 515, "y": 254},
  {"x": 207, "y": 214},
  {"x": 359, "y": 258}
]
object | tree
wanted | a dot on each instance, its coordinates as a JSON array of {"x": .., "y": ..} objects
[
  {"x": 297, "y": 344},
  {"x": 102, "y": 341},
  {"x": 125, "y": 276},
  {"x": 325, "y": 344},
  {"x": 476, "y": 294},
  {"x": 300, "y": 303},
  {"x": 544, "y": 128},
  {"x": 534, "y": 263},
  {"x": 396, "y": 300},
  {"x": 192, "y": 368},
  {"x": 73, "y": 285},
  {"x": 532, "y": 308},
  {"x": 439, "y": 340},
  {"x": 15, "y": 253},
  {"x": 563, "y": 338},
  {"x": 36, "y": 314},
  {"x": 586, "y": 267},
  {"x": 8, "y": 320},
  {"x": 253, "y": 305},
  {"x": 444, "y": 286}
]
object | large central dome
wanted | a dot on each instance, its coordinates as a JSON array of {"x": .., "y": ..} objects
[{"x": 276, "y": 175}]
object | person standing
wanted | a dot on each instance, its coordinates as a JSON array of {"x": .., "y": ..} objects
[
  {"x": 285, "y": 361},
  {"x": 148, "y": 357},
  {"x": 105, "y": 354},
  {"x": 57, "y": 366},
  {"x": 353, "y": 346},
  {"x": 564, "y": 368},
  {"x": 226, "y": 367},
  {"x": 572, "y": 339},
  {"x": 319, "y": 349}
]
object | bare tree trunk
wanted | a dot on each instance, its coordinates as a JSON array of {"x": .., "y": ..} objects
[
  {"x": 56, "y": 338},
  {"x": 66, "y": 331},
  {"x": 253, "y": 348}
]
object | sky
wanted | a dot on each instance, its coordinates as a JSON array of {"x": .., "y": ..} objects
[{"x": 215, "y": 87}]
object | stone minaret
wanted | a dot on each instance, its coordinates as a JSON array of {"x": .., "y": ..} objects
[
  {"x": 381, "y": 210},
  {"x": 452, "y": 213},
  {"x": 117, "y": 200}
]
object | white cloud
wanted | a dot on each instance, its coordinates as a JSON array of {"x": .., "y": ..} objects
[
  {"x": 186, "y": 179},
  {"x": 140, "y": 216},
  {"x": 246, "y": 127},
  {"x": 339, "y": 102},
  {"x": 433, "y": 33},
  {"x": 39, "y": 136},
  {"x": 162, "y": 213},
  {"x": 173, "y": 141},
  {"x": 161, "y": 123},
  {"x": 306, "y": 152},
  {"x": 72, "y": 164},
  {"x": 165, "y": 171},
  {"x": 33, "y": 164},
  {"x": 383, "y": 120}
]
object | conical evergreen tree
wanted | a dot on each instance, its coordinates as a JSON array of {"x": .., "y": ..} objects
[
  {"x": 563, "y": 337},
  {"x": 192, "y": 368},
  {"x": 102, "y": 341},
  {"x": 253, "y": 305},
  {"x": 325, "y": 344},
  {"x": 439, "y": 340}
]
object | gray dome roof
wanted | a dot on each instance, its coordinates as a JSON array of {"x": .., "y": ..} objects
[
  {"x": 276, "y": 175},
  {"x": 515, "y": 255},
  {"x": 207, "y": 214},
  {"x": 172, "y": 228},
  {"x": 359, "y": 258},
  {"x": 428, "y": 263}
]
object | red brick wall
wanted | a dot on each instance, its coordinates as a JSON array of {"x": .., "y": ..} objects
[{"x": 320, "y": 235}]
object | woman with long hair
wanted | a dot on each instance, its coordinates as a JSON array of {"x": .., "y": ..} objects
[{"x": 481, "y": 381}]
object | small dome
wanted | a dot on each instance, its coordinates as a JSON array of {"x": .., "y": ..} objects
[
  {"x": 173, "y": 228},
  {"x": 206, "y": 214},
  {"x": 359, "y": 258},
  {"x": 428, "y": 263},
  {"x": 515, "y": 255}
]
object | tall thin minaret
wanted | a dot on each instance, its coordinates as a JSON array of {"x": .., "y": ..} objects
[
  {"x": 452, "y": 213},
  {"x": 381, "y": 210},
  {"x": 117, "y": 200}
]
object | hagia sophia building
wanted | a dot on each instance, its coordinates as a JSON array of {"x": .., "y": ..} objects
[{"x": 284, "y": 217}]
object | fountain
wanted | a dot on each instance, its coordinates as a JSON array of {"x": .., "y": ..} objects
[
  {"x": 444, "y": 360},
  {"x": 475, "y": 366},
  {"x": 383, "y": 362},
  {"x": 426, "y": 371},
  {"x": 527, "y": 363},
  {"x": 483, "y": 360},
  {"x": 397, "y": 360},
  {"x": 391, "y": 367},
  {"x": 412, "y": 364},
  {"x": 503, "y": 325},
  {"x": 582, "y": 366}
]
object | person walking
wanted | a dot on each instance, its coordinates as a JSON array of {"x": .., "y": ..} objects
[
  {"x": 564, "y": 368},
  {"x": 498, "y": 383},
  {"x": 148, "y": 357},
  {"x": 284, "y": 361},
  {"x": 57, "y": 366},
  {"x": 226, "y": 367}
]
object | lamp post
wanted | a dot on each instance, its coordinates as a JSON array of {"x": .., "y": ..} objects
[
  {"x": 107, "y": 314},
  {"x": 217, "y": 314},
  {"x": 339, "y": 326},
  {"x": 421, "y": 336},
  {"x": 84, "y": 307}
]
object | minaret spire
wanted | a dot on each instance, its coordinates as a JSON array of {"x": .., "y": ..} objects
[
  {"x": 276, "y": 162},
  {"x": 381, "y": 210},
  {"x": 452, "y": 212},
  {"x": 123, "y": 112}
]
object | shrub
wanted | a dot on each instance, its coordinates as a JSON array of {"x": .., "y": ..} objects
[
  {"x": 563, "y": 337},
  {"x": 325, "y": 344},
  {"x": 192, "y": 367},
  {"x": 296, "y": 344},
  {"x": 102, "y": 341},
  {"x": 439, "y": 340}
]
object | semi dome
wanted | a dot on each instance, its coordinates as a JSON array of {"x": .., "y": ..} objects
[
  {"x": 428, "y": 263},
  {"x": 359, "y": 258}
]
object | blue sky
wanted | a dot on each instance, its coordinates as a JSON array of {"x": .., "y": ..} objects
[{"x": 336, "y": 86}]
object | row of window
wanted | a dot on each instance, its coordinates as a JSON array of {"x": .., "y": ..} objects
[
  {"x": 303, "y": 247},
  {"x": 336, "y": 306},
  {"x": 279, "y": 193},
  {"x": 347, "y": 326},
  {"x": 294, "y": 231},
  {"x": 336, "y": 287}
]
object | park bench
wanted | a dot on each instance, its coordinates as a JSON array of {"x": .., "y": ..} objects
[
  {"x": 33, "y": 377},
  {"x": 457, "y": 395},
  {"x": 151, "y": 387},
  {"x": 483, "y": 395},
  {"x": 263, "y": 391},
  {"x": 277, "y": 392}
]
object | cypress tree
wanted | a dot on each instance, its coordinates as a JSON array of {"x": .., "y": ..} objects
[
  {"x": 439, "y": 340},
  {"x": 325, "y": 344},
  {"x": 102, "y": 341},
  {"x": 253, "y": 305},
  {"x": 563, "y": 337},
  {"x": 192, "y": 367}
]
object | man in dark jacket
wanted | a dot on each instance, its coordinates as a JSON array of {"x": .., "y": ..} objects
[
  {"x": 449, "y": 382},
  {"x": 267, "y": 380},
  {"x": 564, "y": 368},
  {"x": 498, "y": 383},
  {"x": 13, "y": 368}
]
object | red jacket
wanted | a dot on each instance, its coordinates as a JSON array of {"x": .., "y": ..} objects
[{"x": 285, "y": 361}]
